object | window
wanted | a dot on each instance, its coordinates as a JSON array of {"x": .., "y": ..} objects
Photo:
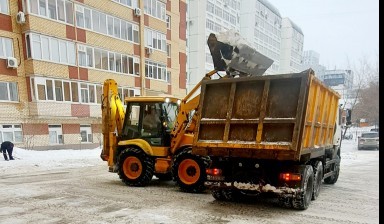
[
  {"x": 11, "y": 132},
  {"x": 6, "y": 47},
  {"x": 86, "y": 133},
  {"x": 55, "y": 134},
  {"x": 50, "y": 49},
  {"x": 107, "y": 60},
  {"x": 155, "y": 39},
  {"x": 102, "y": 23},
  {"x": 155, "y": 70},
  {"x": 9, "y": 91},
  {"x": 168, "y": 50},
  {"x": 155, "y": 8},
  {"x": 130, "y": 3},
  {"x": 4, "y": 8},
  {"x": 61, "y": 10},
  {"x": 168, "y": 20}
]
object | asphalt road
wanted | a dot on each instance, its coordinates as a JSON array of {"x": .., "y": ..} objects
[{"x": 93, "y": 195}]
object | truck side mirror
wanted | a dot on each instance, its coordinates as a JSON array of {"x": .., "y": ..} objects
[{"x": 348, "y": 117}]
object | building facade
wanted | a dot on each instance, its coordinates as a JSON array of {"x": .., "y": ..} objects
[
  {"x": 261, "y": 25},
  {"x": 204, "y": 18},
  {"x": 292, "y": 41},
  {"x": 257, "y": 21},
  {"x": 311, "y": 59},
  {"x": 65, "y": 49}
]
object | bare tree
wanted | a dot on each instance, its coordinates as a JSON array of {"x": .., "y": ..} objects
[{"x": 367, "y": 100}]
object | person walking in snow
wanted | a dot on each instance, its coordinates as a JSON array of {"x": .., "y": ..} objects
[{"x": 7, "y": 147}]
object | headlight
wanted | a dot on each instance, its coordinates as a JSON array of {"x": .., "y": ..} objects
[{"x": 167, "y": 100}]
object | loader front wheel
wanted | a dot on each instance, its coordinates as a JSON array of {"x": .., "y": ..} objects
[
  {"x": 135, "y": 168},
  {"x": 189, "y": 171}
]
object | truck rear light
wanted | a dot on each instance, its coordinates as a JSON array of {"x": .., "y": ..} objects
[
  {"x": 290, "y": 176},
  {"x": 214, "y": 172}
]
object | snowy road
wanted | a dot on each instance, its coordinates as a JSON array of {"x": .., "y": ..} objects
[{"x": 81, "y": 190}]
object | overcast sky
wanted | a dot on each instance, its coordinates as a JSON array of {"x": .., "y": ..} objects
[{"x": 339, "y": 30}]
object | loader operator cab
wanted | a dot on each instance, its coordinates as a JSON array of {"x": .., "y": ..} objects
[{"x": 151, "y": 121}]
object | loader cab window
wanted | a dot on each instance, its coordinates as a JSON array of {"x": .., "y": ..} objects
[
  {"x": 170, "y": 111},
  {"x": 150, "y": 121}
]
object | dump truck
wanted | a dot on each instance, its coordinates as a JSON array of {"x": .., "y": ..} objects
[
  {"x": 272, "y": 133},
  {"x": 137, "y": 148}
]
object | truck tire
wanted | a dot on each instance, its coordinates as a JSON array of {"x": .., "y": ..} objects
[
  {"x": 285, "y": 202},
  {"x": 318, "y": 178},
  {"x": 227, "y": 194},
  {"x": 336, "y": 167},
  {"x": 135, "y": 168},
  {"x": 218, "y": 195},
  {"x": 189, "y": 171},
  {"x": 302, "y": 199}
]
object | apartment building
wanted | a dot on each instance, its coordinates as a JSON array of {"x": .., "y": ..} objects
[
  {"x": 311, "y": 59},
  {"x": 261, "y": 24},
  {"x": 258, "y": 21},
  {"x": 204, "y": 18},
  {"x": 56, "y": 54},
  {"x": 292, "y": 41}
]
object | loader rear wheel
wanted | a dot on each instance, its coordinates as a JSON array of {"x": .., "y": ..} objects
[
  {"x": 135, "y": 168},
  {"x": 318, "y": 174},
  {"x": 303, "y": 198},
  {"x": 189, "y": 171},
  {"x": 336, "y": 167}
]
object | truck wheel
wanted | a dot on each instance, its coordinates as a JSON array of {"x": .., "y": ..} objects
[
  {"x": 164, "y": 176},
  {"x": 336, "y": 167},
  {"x": 218, "y": 195},
  {"x": 318, "y": 174},
  {"x": 285, "y": 202},
  {"x": 189, "y": 171},
  {"x": 135, "y": 168},
  {"x": 303, "y": 198}
]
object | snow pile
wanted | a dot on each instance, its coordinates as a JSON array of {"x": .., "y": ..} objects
[{"x": 51, "y": 159}]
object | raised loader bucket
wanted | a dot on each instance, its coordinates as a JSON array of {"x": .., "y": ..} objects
[{"x": 230, "y": 52}]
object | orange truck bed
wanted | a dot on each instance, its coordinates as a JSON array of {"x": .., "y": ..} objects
[{"x": 279, "y": 117}]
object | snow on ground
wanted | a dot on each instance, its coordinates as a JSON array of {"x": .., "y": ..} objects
[{"x": 27, "y": 160}]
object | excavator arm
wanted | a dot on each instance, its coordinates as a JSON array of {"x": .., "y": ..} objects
[{"x": 113, "y": 115}]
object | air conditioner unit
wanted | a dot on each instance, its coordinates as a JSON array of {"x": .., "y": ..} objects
[
  {"x": 20, "y": 17},
  {"x": 137, "y": 12},
  {"x": 11, "y": 62},
  {"x": 149, "y": 50}
]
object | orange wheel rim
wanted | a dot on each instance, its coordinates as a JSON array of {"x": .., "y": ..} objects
[
  {"x": 189, "y": 171},
  {"x": 132, "y": 167}
]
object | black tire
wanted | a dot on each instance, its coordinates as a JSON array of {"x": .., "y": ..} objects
[
  {"x": 318, "y": 178},
  {"x": 285, "y": 202},
  {"x": 336, "y": 167},
  {"x": 185, "y": 175},
  {"x": 302, "y": 199},
  {"x": 164, "y": 176},
  {"x": 135, "y": 168},
  {"x": 218, "y": 195}
]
